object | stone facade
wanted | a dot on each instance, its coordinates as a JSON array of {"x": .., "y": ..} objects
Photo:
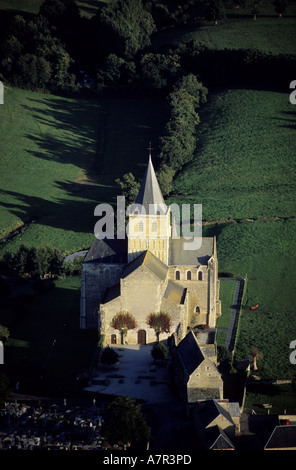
[
  {"x": 193, "y": 371},
  {"x": 148, "y": 272}
]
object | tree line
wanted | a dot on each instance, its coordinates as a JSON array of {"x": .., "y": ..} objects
[
  {"x": 60, "y": 50},
  {"x": 36, "y": 262}
]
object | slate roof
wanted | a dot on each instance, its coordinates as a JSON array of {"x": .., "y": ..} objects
[
  {"x": 282, "y": 437},
  {"x": 190, "y": 353},
  {"x": 150, "y": 192},
  {"x": 217, "y": 439},
  {"x": 178, "y": 256},
  {"x": 107, "y": 251},
  {"x": 175, "y": 293},
  {"x": 151, "y": 262},
  {"x": 209, "y": 410},
  {"x": 111, "y": 293}
]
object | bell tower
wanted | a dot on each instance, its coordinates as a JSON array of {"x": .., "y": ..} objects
[{"x": 149, "y": 220}]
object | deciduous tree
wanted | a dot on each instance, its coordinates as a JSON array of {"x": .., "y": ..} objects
[
  {"x": 160, "y": 322},
  {"x": 124, "y": 422},
  {"x": 123, "y": 321},
  {"x": 129, "y": 187}
]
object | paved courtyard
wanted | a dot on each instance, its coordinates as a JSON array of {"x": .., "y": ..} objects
[{"x": 136, "y": 376}]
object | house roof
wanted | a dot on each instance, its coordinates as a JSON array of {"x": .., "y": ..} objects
[
  {"x": 209, "y": 410},
  {"x": 217, "y": 439},
  {"x": 111, "y": 293},
  {"x": 282, "y": 437},
  {"x": 190, "y": 353},
  {"x": 151, "y": 262},
  {"x": 179, "y": 256},
  {"x": 107, "y": 251},
  {"x": 175, "y": 293},
  {"x": 150, "y": 192}
]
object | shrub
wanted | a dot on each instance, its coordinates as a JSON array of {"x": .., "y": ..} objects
[
  {"x": 159, "y": 351},
  {"x": 109, "y": 356}
]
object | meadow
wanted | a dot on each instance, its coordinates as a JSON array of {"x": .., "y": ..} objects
[
  {"x": 227, "y": 290},
  {"x": 265, "y": 252},
  {"x": 239, "y": 30},
  {"x": 60, "y": 158},
  {"x": 244, "y": 174},
  {"x": 244, "y": 166}
]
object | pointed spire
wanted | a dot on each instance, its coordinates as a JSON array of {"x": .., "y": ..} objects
[
  {"x": 150, "y": 148},
  {"x": 150, "y": 192}
]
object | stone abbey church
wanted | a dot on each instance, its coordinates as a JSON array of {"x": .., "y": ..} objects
[{"x": 149, "y": 272}]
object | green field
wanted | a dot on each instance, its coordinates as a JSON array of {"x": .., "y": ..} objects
[
  {"x": 244, "y": 165},
  {"x": 265, "y": 251},
  {"x": 60, "y": 158},
  {"x": 87, "y": 7},
  {"x": 227, "y": 290},
  {"x": 245, "y": 169},
  {"x": 239, "y": 31}
]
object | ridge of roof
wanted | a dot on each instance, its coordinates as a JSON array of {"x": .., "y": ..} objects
[{"x": 151, "y": 262}]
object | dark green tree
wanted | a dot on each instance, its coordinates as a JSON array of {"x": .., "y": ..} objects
[
  {"x": 125, "y": 27},
  {"x": 159, "y": 352},
  {"x": 158, "y": 71},
  {"x": 165, "y": 175},
  {"x": 215, "y": 11},
  {"x": 129, "y": 187},
  {"x": 32, "y": 56},
  {"x": 109, "y": 356},
  {"x": 20, "y": 260},
  {"x": 280, "y": 7},
  {"x": 124, "y": 422},
  {"x": 4, "y": 333},
  {"x": 60, "y": 12},
  {"x": 194, "y": 87}
]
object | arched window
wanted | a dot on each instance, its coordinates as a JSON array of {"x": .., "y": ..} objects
[
  {"x": 154, "y": 226},
  {"x": 200, "y": 275},
  {"x": 188, "y": 275},
  {"x": 197, "y": 310},
  {"x": 141, "y": 226},
  {"x": 177, "y": 275}
]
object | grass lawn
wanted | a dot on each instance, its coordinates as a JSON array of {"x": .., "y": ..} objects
[
  {"x": 239, "y": 31},
  {"x": 29, "y": 6},
  {"x": 244, "y": 165},
  {"x": 282, "y": 398},
  {"x": 227, "y": 289},
  {"x": 60, "y": 158},
  {"x": 265, "y": 251},
  {"x": 245, "y": 168}
]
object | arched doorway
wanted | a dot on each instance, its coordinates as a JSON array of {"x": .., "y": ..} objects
[
  {"x": 141, "y": 337},
  {"x": 113, "y": 339}
]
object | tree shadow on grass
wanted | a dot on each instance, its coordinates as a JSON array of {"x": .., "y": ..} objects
[
  {"x": 76, "y": 215},
  {"x": 101, "y": 137},
  {"x": 288, "y": 121}
]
